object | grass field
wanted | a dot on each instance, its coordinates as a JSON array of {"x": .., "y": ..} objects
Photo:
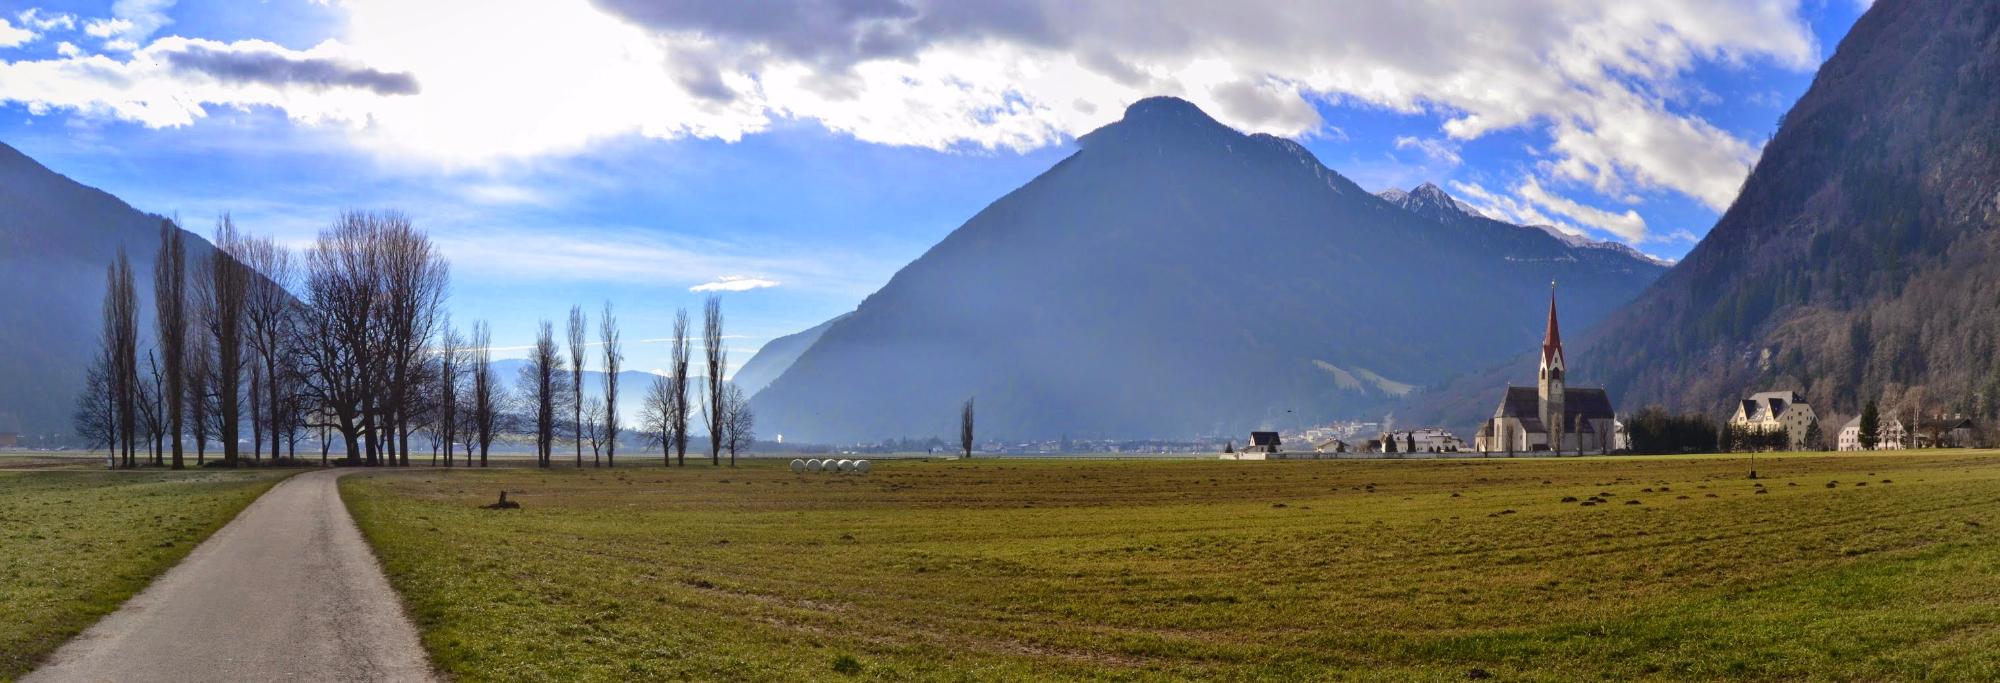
[
  {"x": 1844, "y": 567},
  {"x": 75, "y": 544}
]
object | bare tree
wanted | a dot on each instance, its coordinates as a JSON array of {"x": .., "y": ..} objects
[
  {"x": 711, "y": 337},
  {"x": 577, "y": 327},
  {"x": 222, "y": 288},
  {"x": 270, "y": 321},
  {"x": 485, "y": 405},
  {"x": 414, "y": 279},
  {"x": 678, "y": 391},
  {"x": 614, "y": 358},
  {"x": 121, "y": 346},
  {"x": 739, "y": 425},
  {"x": 152, "y": 410},
  {"x": 96, "y": 417},
  {"x": 965, "y": 429},
  {"x": 256, "y": 397},
  {"x": 342, "y": 290},
  {"x": 451, "y": 354},
  {"x": 170, "y": 320},
  {"x": 542, "y": 390},
  {"x": 592, "y": 426},
  {"x": 200, "y": 377},
  {"x": 656, "y": 416}
]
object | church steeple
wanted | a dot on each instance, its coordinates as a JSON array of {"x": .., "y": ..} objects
[
  {"x": 1551, "y": 388},
  {"x": 1552, "y": 342}
]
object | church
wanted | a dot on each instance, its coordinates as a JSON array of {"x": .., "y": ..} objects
[{"x": 1550, "y": 415}]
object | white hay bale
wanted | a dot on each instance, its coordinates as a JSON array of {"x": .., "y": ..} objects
[
  {"x": 798, "y": 465},
  {"x": 861, "y": 466},
  {"x": 843, "y": 466},
  {"x": 815, "y": 464}
]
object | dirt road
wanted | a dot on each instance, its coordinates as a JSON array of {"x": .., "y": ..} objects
[{"x": 286, "y": 591}]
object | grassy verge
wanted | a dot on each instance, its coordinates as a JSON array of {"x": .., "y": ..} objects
[
  {"x": 74, "y": 545},
  {"x": 1843, "y": 567}
]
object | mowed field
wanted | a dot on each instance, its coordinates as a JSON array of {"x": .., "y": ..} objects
[
  {"x": 1830, "y": 567},
  {"x": 74, "y": 544}
]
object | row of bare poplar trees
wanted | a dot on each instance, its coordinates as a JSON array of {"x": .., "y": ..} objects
[
  {"x": 353, "y": 338},
  {"x": 338, "y": 339}
]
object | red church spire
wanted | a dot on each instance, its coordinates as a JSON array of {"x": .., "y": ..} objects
[{"x": 1552, "y": 343}]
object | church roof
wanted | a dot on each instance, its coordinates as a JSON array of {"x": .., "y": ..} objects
[{"x": 1580, "y": 407}]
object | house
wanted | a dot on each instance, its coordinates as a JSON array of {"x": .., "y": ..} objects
[
  {"x": 1950, "y": 431},
  {"x": 1772, "y": 411},
  {"x": 1550, "y": 415},
  {"x": 1426, "y": 440},
  {"x": 1262, "y": 442},
  {"x": 1889, "y": 435},
  {"x": 1333, "y": 446}
]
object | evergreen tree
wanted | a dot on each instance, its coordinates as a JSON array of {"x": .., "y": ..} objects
[{"x": 1871, "y": 426}]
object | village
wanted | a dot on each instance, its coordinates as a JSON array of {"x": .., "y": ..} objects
[{"x": 1552, "y": 418}]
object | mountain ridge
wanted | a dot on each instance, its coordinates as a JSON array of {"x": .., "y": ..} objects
[{"x": 1176, "y": 277}]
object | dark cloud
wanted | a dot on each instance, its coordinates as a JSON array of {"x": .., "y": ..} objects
[
  {"x": 273, "y": 69},
  {"x": 841, "y": 32}
]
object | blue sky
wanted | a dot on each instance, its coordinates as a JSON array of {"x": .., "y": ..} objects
[{"x": 565, "y": 151}]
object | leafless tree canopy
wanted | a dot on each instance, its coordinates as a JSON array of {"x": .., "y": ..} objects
[
  {"x": 614, "y": 359},
  {"x": 485, "y": 399},
  {"x": 222, "y": 291},
  {"x": 711, "y": 337},
  {"x": 577, "y": 326},
  {"x": 374, "y": 290},
  {"x": 543, "y": 390},
  {"x": 120, "y": 356},
  {"x": 739, "y": 425},
  {"x": 680, "y": 409},
  {"x": 170, "y": 319}
]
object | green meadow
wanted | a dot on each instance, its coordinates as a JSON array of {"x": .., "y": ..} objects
[
  {"x": 74, "y": 544},
  {"x": 1828, "y": 567}
]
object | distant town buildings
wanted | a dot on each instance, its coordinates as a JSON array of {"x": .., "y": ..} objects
[
  {"x": 1427, "y": 440},
  {"x": 1551, "y": 415},
  {"x": 1773, "y": 411}
]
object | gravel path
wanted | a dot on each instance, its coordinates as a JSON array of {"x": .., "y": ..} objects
[{"x": 286, "y": 591}]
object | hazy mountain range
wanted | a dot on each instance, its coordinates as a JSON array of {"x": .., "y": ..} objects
[
  {"x": 56, "y": 238},
  {"x": 1861, "y": 260},
  {"x": 1176, "y": 277}
]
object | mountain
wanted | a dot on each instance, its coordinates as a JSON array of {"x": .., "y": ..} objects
[
  {"x": 777, "y": 356},
  {"x": 1175, "y": 277},
  {"x": 1861, "y": 259},
  {"x": 1430, "y": 201},
  {"x": 56, "y": 238}
]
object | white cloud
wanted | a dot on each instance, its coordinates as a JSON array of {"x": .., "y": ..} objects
[
  {"x": 531, "y": 77},
  {"x": 733, "y": 283},
  {"x": 171, "y": 82},
  {"x": 35, "y": 18},
  {"x": 106, "y": 28},
  {"x": 141, "y": 18},
  {"x": 68, "y": 49},
  {"x": 1441, "y": 151},
  {"x": 1510, "y": 209},
  {"x": 14, "y": 36},
  {"x": 1628, "y": 226}
]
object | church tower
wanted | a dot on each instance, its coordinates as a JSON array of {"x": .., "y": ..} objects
[{"x": 1552, "y": 373}]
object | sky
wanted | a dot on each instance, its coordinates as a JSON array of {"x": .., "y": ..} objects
[{"x": 791, "y": 155}]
